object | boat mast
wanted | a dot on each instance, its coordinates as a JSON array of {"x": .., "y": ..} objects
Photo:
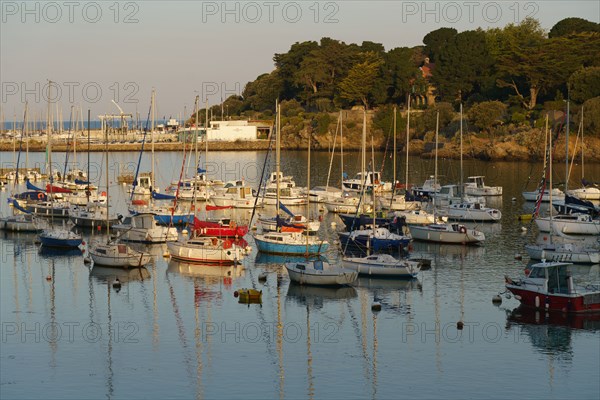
[
  {"x": 49, "y": 150},
  {"x": 566, "y": 151},
  {"x": 152, "y": 183},
  {"x": 394, "y": 181},
  {"x": 364, "y": 150},
  {"x": 342, "y": 152},
  {"x": 308, "y": 197},
  {"x": 107, "y": 185},
  {"x": 197, "y": 107},
  {"x": 407, "y": 142},
  {"x": 582, "y": 145},
  {"x": 278, "y": 152},
  {"x": 206, "y": 140},
  {"x": 462, "y": 195},
  {"x": 550, "y": 168},
  {"x": 437, "y": 128},
  {"x": 87, "y": 191}
]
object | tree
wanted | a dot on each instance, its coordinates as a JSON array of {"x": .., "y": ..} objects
[
  {"x": 585, "y": 84},
  {"x": 402, "y": 72},
  {"x": 591, "y": 117},
  {"x": 486, "y": 114},
  {"x": 262, "y": 93},
  {"x": 573, "y": 25},
  {"x": 358, "y": 85},
  {"x": 288, "y": 63},
  {"x": 530, "y": 64},
  {"x": 436, "y": 40},
  {"x": 464, "y": 65}
]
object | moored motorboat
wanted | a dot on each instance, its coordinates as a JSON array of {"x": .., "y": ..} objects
[
  {"x": 549, "y": 286},
  {"x": 447, "y": 233}
]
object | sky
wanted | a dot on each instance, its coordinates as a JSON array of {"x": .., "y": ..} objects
[{"x": 98, "y": 51}]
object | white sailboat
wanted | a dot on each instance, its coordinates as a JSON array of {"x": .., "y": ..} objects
[
  {"x": 589, "y": 191},
  {"x": 113, "y": 253},
  {"x": 452, "y": 233},
  {"x": 467, "y": 209},
  {"x": 319, "y": 273},
  {"x": 397, "y": 202},
  {"x": 143, "y": 228}
]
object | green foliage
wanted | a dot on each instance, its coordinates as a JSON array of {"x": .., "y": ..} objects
[
  {"x": 585, "y": 84},
  {"x": 323, "y": 121},
  {"x": 436, "y": 40},
  {"x": 464, "y": 65},
  {"x": 383, "y": 120},
  {"x": 291, "y": 108},
  {"x": 486, "y": 114},
  {"x": 427, "y": 120},
  {"x": 518, "y": 117},
  {"x": 568, "y": 26},
  {"x": 358, "y": 85},
  {"x": 591, "y": 117},
  {"x": 262, "y": 93}
]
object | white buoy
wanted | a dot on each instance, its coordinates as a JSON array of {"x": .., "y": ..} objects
[
  {"x": 262, "y": 277},
  {"x": 497, "y": 299},
  {"x": 117, "y": 283},
  {"x": 166, "y": 254},
  {"x": 185, "y": 231},
  {"x": 376, "y": 306},
  {"x": 524, "y": 229},
  {"x": 518, "y": 256},
  {"x": 514, "y": 199},
  {"x": 333, "y": 225}
]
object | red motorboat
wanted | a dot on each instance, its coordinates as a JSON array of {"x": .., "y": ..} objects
[
  {"x": 223, "y": 227},
  {"x": 549, "y": 286}
]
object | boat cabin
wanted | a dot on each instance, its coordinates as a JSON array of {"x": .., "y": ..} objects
[
  {"x": 556, "y": 277},
  {"x": 476, "y": 181}
]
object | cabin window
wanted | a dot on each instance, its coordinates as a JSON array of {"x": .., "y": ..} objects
[
  {"x": 300, "y": 267},
  {"x": 537, "y": 273},
  {"x": 101, "y": 251},
  {"x": 557, "y": 280}
]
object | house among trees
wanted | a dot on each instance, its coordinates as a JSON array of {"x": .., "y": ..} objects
[{"x": 427, "y": 72}]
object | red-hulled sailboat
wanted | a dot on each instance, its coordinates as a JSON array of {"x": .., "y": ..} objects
[{"x": 223, "y": 227}]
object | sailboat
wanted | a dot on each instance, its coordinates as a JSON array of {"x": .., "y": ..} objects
[
  {"x": 56, "y": 236},
  {"x": 114, "y": 253},
  {"x": 318, "y": 272},
  {"x": 378, "y": 237},
  {"x": 574, "y": 224},
  {"x": 467, "y": 210},
  {"x": 289, "y": 242},
  {"x": 589, "y": 191},
  {"x": 396, "y": 202},
  {"x": 347, "y": 202},
  {"x": 321, "y": 194},
  {"x": 445, "y": 232},
  {"x": 551, "y": 251}
]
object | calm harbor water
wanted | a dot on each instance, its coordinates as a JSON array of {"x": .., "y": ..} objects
[{"x": 175, "y": 330}]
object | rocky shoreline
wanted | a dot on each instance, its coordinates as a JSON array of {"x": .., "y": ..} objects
[{"x": 523, "y": 148}]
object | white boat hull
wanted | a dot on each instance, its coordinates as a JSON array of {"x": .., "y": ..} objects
[
  {"x": 428, "y": 234},
  {"x": 569, "y": 227},
  {"x": 214, "y": 254},
  {"x": 557, "y": 194},
  {"x": 590, "y": 193},
  {"x": 551, "y": 253},
  {"x": 324, "y": 279},
  {"x": 399, "y": 269}
]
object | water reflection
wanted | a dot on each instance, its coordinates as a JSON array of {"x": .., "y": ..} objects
[
  {"x": 316, "y": 296},
  {"x": 106, "y": 274}
]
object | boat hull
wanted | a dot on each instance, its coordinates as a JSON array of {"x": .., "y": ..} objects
[
  {"x": 442, "y": 236},
  {"x": 406, "y": 270},
  {"x": 569, "y": 227},
  {"x": 556, "y": 302},
  {"x": 56, "y": 242},
  {"x": 288, "y": 248},
  {"x": 203, "y": 254},
  {"x": 551, "y": 254},
  {"x": 324, "y": 279}
]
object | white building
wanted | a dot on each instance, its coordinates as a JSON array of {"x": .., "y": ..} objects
[{"x": 231, "y": 131}]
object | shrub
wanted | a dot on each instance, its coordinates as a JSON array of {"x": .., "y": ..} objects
[{"x": 487, "y": 114}]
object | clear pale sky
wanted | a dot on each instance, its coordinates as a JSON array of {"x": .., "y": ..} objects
[{"x": 98, "y": 51}]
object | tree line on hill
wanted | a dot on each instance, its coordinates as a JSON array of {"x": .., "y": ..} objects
[{"x": 505, "y": 77}]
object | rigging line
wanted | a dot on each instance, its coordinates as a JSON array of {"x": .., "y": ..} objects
[
  {"x": 137, "y": 170},
  {"x": 20, "y": 147},
  {"x": 262, "y": 176}
]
